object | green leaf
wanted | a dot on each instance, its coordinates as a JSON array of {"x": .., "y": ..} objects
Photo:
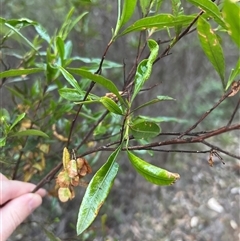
[
  {"x": 69, "y": 24},
  {"x": 145, "y": 5},
  {"x": 177, "y": 10},
  {"x": 51, "y": 235},
  {"x": 3, "y": 141},
  {"x": 71, "y": 80},
  {"x": 30, "y": 132},
  {"x": 96, "y": 193},
  {"x": 211, "y": 9},
  {"x": 19, "y": 118},
  {"x": 74, "y": 95},
  {"x": 159, "y": 22},
  {"x": 19, "y": 72},
  {"x": 19, "y": 34},
  {"x": 60, "y": 48},
  {"x": 211, "y": 47},
  {"x": 156, "y": 100},
  {"x": 231, "y": 13},
  {"x": 111, "y": 105},
  {"x": 42, "y": 32},
  {"x": 106, "y": 83},
  {"x": 128, "y": 10},
  {"x": 152, "y": 173},
  {"x": 144, "y": 68},
  {"x": 94, "y": 63},
  {"x": 162, "y": 119},
  {"x": 142, "y": 129},
  {"x": 233, "y": 75}
]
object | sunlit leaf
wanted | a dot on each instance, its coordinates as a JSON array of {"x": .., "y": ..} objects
[
  {"x": 152, "y": 173},
  {"x": 97, "y": 192},
  {"x": 211, "y": 47},
  {"x": 74, "y": 95},
  {"x": 233, "y": 75},
  {"x": 144, "y": 68},
  {"x": 111, "y": 105},
  {"x": 19, "y": 72},
  {"x": 231, "y": 13},
  {"x": 30, "y": 132},
  {"x": 106, "y": 83},
  {"x": 159, "y": 22},
  {"x": 211, "y": 9},
  {"x": 127, "y": 12}
]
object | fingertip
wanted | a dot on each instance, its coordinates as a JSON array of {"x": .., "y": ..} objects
[{"x": 35, "y": 200}]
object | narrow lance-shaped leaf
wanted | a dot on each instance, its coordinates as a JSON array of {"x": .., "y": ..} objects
[
  {"x": 19, "y": 72},
  {"x": 156, "y": 100},
  {"x": 96, "y": 193},
  {"x": 127, "y": 12},
  {"x": 144, "y": 68},
  {"x": 159, "y": 22},
  {"x": 71, "y": 80},
  {"x": 19, "y": 118},
  {"x": 234, "y": 73},
  {"x": 162, "y": 119},
  {"x": 145, "y": 5},
  {"x": 211, "y": 9},
  {"x": 30, "y": 132},
  {"x": 74, "y": 95},
  {"x": 152, "y": 173},
  {"x": 106, "y": 83},
  {"x": 60, "y": 48},
  {"x": 211, "y": 47},
  {"x": 111, "y": 105},
  {"x": 144, "y": 129},
  {"x": 231, "y": 14},
  {"x": 22, "y": 36},
  {"x": 177, "y": 10}
]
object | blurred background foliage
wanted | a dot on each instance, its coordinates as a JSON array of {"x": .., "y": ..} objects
[{"x": 186, "y": 75}]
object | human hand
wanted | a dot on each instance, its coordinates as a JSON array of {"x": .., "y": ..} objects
[{"x": 16, "y": 204}]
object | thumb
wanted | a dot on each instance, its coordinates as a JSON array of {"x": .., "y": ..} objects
[{"x": 16, "y": 211}]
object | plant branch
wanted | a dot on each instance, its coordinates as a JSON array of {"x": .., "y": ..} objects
[
  {"x": 92, "y": 129},
  {"x": 206, "y": 114},
  {"x": 234, "y": 113}
]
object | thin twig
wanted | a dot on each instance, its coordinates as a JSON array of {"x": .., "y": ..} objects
[
  {"x": 205, "y": 114},
  {"x": 92, "y": 129},
  {"x": 234, "y": 113},
  {"x": 220, "y": 150}
]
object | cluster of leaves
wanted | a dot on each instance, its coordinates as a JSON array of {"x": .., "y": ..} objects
[{"x": 57, "y": 98}]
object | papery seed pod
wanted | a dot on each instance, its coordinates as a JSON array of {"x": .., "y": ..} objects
[
  {"x": 72, "y": 169},
  {"x": 84, "y": 167},
  {"x": 66, "y": 157},
  {"x": 63, "y": 180},
  {"x": 75, "y": 181},
  {"x": 80, "y": 163},
  {"x": 64, "y": 194}
]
